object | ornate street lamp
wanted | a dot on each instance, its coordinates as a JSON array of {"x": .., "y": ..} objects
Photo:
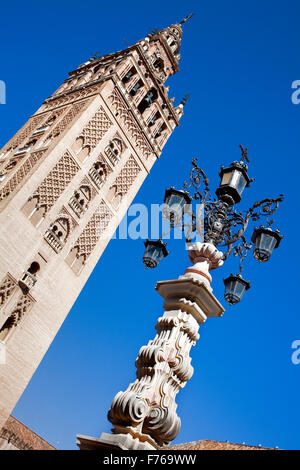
[
  {"x": 144, "y": 416},
  {"x": 155, "y": 251},
  {"x": 223, "y": 225},
  {"x": 235, "y": 287},
  {"x": 265, "y": 240},
  {"x": 234, "y": 180},
  {"x": 174, "y": 204}
]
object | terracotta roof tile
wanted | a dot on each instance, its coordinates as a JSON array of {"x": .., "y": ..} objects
[
  {"x": 22, "y": 437},
  {"x": 214, "y": 445}
]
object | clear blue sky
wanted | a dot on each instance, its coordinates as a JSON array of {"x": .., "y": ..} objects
[{"x": 238, "y": 62}]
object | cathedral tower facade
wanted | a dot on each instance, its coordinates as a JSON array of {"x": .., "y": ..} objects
[{"x": 66, "y": 180}]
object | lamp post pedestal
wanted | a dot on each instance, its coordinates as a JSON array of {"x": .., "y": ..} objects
[{"x": 144, "y": 416}]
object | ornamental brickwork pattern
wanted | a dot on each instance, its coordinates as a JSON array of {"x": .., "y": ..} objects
[
  {"x": 127, "y": 176},
  {"x": 70, "y": 115},
  {"x": 56, "y": 182},
  {"x": 7, "y": 287},
  {"x": 96, "y": 128},
  {"x": 125, "y": 115},
  {"x": 93, "y": 231},
  {"x": 20, "y": 174},
  {"x": 23, "y": 306},
  {"x": 25, "y": 132}
]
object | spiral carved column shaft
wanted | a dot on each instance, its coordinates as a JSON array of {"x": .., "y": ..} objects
[
  {"x": 144, "y": 416},
  {"x": 148, "y": 407}
]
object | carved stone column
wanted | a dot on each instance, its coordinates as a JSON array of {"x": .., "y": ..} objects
[{"x": 144, "y": 416}]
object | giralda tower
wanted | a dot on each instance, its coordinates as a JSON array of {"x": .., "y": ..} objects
[{"x": 66, "y": 180}]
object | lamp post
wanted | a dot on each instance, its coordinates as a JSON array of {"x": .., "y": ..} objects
[{"x": 144, "y": 416}]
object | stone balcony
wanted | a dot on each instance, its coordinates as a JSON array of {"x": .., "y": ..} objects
[
  {"x": 96, "y": 178},
  {"x": 28, "y": 281},
  {"x": 76, "y": 206},
  {"x": 111, "y": 156},
  {"x": 53, "y": 240}
]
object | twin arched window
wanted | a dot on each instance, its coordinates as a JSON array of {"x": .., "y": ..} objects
[
  {"x": 80, "y": 149},
  {"x": 57, "y": 233},
  {"x": 75, "y": 260},
  {"x": 29, "y": 277},
  {"x": 146, "y": 102},
  {"x": 114, "y": 197},
  {"x": 80, "y": 200},
  {"x": 159, "y": 64},
  {"x": 98, "y": 173},
  {"x": 114, "y": 150},
  {"x": 34, "y": 211},
  {"x": 129, "y": 75}
]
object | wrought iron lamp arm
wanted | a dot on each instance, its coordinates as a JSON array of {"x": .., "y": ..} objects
[{"x": 264, "y": 208}]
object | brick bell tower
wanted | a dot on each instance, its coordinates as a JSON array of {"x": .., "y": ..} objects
[{"x": 66, "y": 180}]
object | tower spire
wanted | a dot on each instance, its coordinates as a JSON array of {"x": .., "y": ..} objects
[{"x": 187, "y": 18}]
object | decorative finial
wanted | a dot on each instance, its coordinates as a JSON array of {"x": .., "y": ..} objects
[
  {"x": 184, "y": 100},
  {"x": 244, "y": 154},
  {"x": 96, "y": 56},
  {"x": 187, "y": 18},
  {"x": 153, "y": 31}
]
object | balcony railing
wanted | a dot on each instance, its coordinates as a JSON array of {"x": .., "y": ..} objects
[
  {"x": 53, "y": 240},
  {"x": 113, "y": 158},
  {"x": 97, "y": 179},
  {"x": 28, "y": 281},
  {"x": 76, "y": 206}
]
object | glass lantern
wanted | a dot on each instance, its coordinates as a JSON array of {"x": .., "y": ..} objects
[
  {"x": 155, "y": 251},
  {"x": 235, "y": 288},
  {"x": 265, "y": 240},
  {"x": 234, "y": 180},
  {"x": 175, "y": 201}
]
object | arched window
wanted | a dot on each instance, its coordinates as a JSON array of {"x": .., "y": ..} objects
[
  {"x": 33, "y": 268},
  {"x": 29, "y": 277},
  {"x": 82, "y": 151},
  {"x": 98, "y": 173},
  {"x": 75, "y": 260},
  {"x": 155, "y": 118},
  {"x": 78, "y": 144},
  {"x": 57, "y": 233},
  {"x": 139, "y": 84},
  {"x": 51, "y": 120},
  {"x": 79, "y": 202},
  {"x": 114, "y": 150},
  {"x": 11, "y": 165},
  {"x": 127, "y": 78},
  {"x": 114, "y": 197},
  {"x": 146, "y": 102},
  {"x": 160, "y": 131},
  {"x": 34, "y": 211},
  {"x": 50, "y": 138},
  {"x": 27, "y": 147},
  {"x": 173, "y": 42},
  {"x": 46, "y": 126},
  {"x": 159, "y": 64}
]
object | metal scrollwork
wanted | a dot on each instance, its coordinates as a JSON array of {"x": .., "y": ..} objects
[
  {"x": 197, "y": 176},
  {"x": 223, "y": 225}
]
